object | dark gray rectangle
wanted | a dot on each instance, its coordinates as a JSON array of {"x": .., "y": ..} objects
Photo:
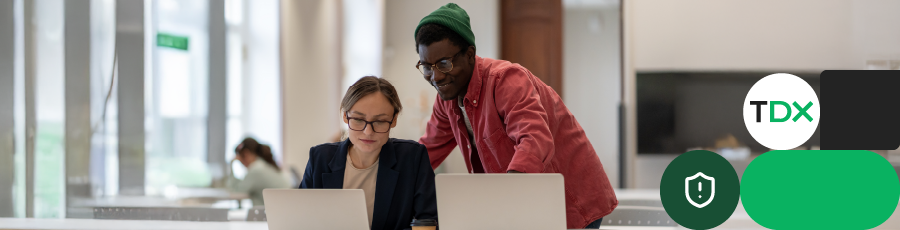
[{"x": 175, "y": 214}]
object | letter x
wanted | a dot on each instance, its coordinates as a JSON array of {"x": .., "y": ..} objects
[{"x": 801, "y": 111}]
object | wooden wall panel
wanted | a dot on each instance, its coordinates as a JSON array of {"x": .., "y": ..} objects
[{"x": 531, "y": 35}]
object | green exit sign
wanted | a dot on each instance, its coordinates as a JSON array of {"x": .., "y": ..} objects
[{"x": 172, "y": 41}]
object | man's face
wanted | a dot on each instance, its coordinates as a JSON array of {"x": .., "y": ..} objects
[{"x": 455, "y": 82}]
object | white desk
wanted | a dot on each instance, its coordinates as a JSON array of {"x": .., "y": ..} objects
[
  {"x": 85, "y": 224},
  {"x": 92, "y": 224},
  {"x": 639, "y": 228},
  {"x": 738, "y": 220}
]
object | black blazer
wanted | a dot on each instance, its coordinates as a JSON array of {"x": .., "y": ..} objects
[{"x": 404, "y": 188}]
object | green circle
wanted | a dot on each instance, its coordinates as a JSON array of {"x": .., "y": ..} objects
[{"x": 694, "y": 168}]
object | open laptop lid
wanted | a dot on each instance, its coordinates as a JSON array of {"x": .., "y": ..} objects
[
  {"x": 501, "y": 201},
  {"x": 320, "y": 209}
]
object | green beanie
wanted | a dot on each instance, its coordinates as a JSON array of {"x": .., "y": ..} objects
[{"x": 453, "y": 17}]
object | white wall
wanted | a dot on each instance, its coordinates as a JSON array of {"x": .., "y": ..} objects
[
  {"x": 400, "y": 57},
  {"x": 592, "y": 77},
  {"x": 260, "y": 95},
  {"x": 363, "y": 34},
  {"x": 310, "y": 52},
  {"x": 764, "y": 34}
]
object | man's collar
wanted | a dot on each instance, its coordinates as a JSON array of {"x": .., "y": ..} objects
[{"x": 473, "y": 91}]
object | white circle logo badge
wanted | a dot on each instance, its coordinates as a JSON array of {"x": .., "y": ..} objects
[{"x": 781, "y": 111}]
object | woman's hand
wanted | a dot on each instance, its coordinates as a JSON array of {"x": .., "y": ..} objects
[{"x": 236, "y": 158}]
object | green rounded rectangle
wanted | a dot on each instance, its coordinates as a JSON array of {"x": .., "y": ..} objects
[
  {"x": 172, "y": 41},
  {"x": 820, "y": 189}
]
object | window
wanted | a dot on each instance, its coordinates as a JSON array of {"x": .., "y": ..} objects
[
  {"x": 177, "y": 98},
  {"x": 49, "y": 146},
  {"x": 19, "y": 111},
  {"x": 254, "y": 76},
  {"x": 104, "y": 100}
]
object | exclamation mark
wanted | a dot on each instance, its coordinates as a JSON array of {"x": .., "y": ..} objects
[{"x": 700, "y": 188}]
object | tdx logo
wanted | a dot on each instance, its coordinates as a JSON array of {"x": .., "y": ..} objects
[
  {"x": 801, "y": 111},
  {"x": 781, "y": 111}
]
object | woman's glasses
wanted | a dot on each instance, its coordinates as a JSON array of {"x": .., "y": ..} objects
[{"x": 357, "y": 124}]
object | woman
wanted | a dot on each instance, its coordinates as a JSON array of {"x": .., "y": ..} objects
[
  {"x": 395, "y": 175},
  {"x": 262, "y": 171}
]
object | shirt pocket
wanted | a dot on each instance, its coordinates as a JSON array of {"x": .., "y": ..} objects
[{"x": 502, "y": 150}]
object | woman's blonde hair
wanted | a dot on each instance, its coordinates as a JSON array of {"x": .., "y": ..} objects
[{"x": 367, "y": 85}]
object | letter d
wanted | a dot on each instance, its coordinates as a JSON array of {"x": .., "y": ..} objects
[{"x": 772, "y": 111}]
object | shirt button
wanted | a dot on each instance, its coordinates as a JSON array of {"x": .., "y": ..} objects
[{"x": 475, "y": 101}]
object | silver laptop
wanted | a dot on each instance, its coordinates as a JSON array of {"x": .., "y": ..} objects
[
  {"x": 501, "y": 201},
  {"x": 320, "y": 209}
]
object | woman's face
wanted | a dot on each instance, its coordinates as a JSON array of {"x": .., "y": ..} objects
[
  {"x": 374, "y": 107},
  {"x": 246, "y": 157}
]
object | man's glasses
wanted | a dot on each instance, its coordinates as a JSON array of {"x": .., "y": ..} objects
[{"x": 445, "y": 66}]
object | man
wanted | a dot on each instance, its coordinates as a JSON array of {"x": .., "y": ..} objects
[{"x": 505, "y": 119}]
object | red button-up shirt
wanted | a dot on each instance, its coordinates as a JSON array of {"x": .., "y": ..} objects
[{"x": 521, "y": 124}]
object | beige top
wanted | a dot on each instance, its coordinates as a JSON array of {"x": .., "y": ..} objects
[{"x": 364, "y": 179}]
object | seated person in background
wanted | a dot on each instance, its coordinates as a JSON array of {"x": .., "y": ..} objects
[
  {"x": 395, "y": 175},
  {"x": 262, "y": 171}
]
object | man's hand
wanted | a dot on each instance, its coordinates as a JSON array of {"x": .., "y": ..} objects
[{"x": 513, "y": 171}]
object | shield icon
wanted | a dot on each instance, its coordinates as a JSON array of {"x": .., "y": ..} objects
[{"x": 712, "y": 188}]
